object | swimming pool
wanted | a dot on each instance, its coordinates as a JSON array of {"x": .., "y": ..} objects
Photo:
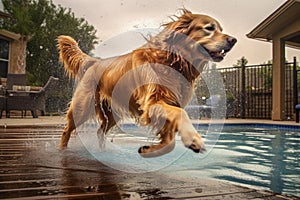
[{"x": 254, "y": 155}]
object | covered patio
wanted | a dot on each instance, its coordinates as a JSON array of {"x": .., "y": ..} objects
[{"x": 282, "y": 28}]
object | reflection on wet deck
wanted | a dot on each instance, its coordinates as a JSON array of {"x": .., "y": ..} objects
[{"x": 32, "y": 168}]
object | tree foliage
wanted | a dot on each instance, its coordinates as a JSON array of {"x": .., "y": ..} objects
[
  {"x": 240, "y": 62},
  {"x": 41, "y": 22}
]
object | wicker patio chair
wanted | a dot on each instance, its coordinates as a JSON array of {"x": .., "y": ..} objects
[
  {"x": 2, "y": 99},
  {"x": 211, "y": 106},
  {"x": 15, "y": 79},
  {"x": 30, "y": 100},
  {"x": 2, "y": 104},
  {"x": 199, "y": 111}
]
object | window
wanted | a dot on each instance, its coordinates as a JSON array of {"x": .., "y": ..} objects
[{"x": 4, "y": 56}]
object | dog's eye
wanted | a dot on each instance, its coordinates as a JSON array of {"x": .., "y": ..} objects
[{"x": 210, "y": 28}]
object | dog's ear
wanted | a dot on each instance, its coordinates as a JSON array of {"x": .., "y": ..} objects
[
  {"x": 185, "y": 11},
  {"x": 180, "y": 23},
  {"x": 179, "y": 27}
]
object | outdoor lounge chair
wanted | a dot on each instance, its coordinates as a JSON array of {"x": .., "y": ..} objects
[
  {"x": 15, "y": 79},
  {"x": 199, "y": 111},
  {"x": 2, "y": 104},
  {"x": 12, "y": 79},
  {"x": 211, "y": 105},
  {"x": 30, "y": 100}
]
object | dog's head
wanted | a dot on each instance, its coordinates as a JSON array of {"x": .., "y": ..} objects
[{"x": 205, "y": 33}]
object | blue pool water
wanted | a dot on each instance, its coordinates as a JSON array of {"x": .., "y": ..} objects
[
  {"x": 258, "y": 156},
  {"x": 253, "y": 155}
]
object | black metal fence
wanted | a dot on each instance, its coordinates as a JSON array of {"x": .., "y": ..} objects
[{"x": 249, "y": 90}]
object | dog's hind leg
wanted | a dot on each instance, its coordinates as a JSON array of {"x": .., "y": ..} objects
[
  {"x": 107, "y": 120},
  {"x": 81, "y": 109},
  {"x": 71, "y": 125},
  {"x": 67, "y": 130},
  {"x": 74, "y": 119}
]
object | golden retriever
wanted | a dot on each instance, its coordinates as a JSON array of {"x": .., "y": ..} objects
[{"x": 152, "y": 83}]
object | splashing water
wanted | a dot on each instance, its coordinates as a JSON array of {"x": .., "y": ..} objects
[{"x": 122, "y": 154}]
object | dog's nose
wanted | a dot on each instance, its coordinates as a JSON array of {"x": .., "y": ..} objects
[{"x": 231, "y": 41}]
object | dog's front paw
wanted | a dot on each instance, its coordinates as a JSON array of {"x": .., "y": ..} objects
[
  {"x": 144, "y": 149},
  {"x": 197, "y": 144},
  {"x": 200, "y": 149},
  {"x": 156, "y": 150}
]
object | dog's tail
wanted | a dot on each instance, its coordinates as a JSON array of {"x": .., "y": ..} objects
[{"x": 70, "y": 54}]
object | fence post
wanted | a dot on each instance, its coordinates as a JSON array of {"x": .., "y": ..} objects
[
  {"x": 295, "y": 83},
  {"x": 243, "y": 89}
]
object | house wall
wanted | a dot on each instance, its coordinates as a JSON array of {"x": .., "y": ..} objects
[
  {"x": 278, "y": 97},
  {"x": 15, "y": 51},
  {"x": 279, "y": 87}
]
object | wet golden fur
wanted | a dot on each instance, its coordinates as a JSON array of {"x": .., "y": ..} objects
[{"x": 159, "y": 77}]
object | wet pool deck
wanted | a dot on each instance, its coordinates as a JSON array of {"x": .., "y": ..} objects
[
  {"x": 60, "y": 121},
  {"x": 31, "y": 168}
]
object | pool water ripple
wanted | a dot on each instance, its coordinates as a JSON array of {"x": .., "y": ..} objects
[{"x": 266, "y": 157}]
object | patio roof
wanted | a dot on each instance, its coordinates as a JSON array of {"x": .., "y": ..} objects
[{"x": 282, "y": 18}]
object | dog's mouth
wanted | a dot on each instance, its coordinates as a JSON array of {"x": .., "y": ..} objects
[{"x": 217, "y": 56}]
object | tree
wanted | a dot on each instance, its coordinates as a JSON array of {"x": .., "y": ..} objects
[
  {"x": 41, "y": 22},
  {"x": 42, "y": 50},
  {"x": 23, "y": 23},
  {"x": 267, "y": 74},
  {"x": 240, "y": 61}
]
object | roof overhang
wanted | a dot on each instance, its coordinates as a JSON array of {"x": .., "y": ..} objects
[
  {"x": 280, "y": 19},
  {"x": 9, "y": 35}
]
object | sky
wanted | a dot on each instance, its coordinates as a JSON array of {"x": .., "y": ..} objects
[{"x": 115, "y": 18}]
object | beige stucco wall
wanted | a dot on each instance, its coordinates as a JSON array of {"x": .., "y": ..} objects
[
  {"x": 278, "y": 96},
  {"x": 13, "y": 58},
  {"x": 14, "y": 51},
  {"x": 279, "y": 41}
]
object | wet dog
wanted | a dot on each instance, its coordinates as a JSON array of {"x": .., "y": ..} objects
[{"x": 152, "y": 83}]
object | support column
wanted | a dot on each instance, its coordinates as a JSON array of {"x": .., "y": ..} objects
[{"x": 278, "y": 87}]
